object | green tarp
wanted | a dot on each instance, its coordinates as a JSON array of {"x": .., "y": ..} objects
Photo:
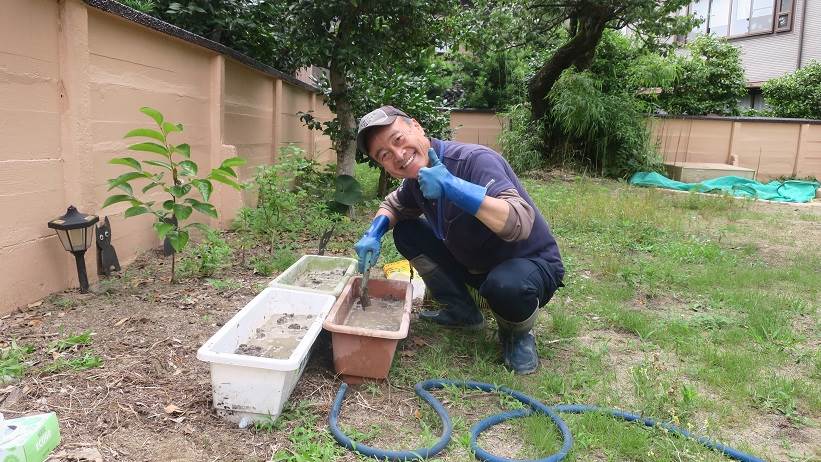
[{"x": 781, "y": 191}]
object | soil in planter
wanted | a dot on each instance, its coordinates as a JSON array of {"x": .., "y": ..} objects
[
  {"x": 381, "y": 314},
  {"x": 278, "y": 337},
  {"x": 320, "y": 279}
]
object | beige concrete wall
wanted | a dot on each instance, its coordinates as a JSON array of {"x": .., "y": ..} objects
[
  {"x": 31, "y": 164},
  {"x": 72, "y": 80},
  {"x": 773, "y": 149},
  {"x": 477, "y": 127}
]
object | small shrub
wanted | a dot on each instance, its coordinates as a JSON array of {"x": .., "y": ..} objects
[
  {"x": 795, "y": 95},
  {"x": 268, "y": 265},
  {"x": 176, "y": 175},
  {"x": 207, "y": 257},
  {"x": 710, "y": 79},
  {"x": 607, "y": 128},
  {"x": 521, "y": 140}
]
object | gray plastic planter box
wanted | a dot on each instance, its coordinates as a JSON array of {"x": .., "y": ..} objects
[{"x": 289, "y": 279}]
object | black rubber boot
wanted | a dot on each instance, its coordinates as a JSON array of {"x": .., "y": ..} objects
[
  {"x": 518, "y": 344},
  {"x": 459, "y": 310}
]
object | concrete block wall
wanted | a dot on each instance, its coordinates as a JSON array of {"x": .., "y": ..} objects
[
  {"x": 72, "y": 80},
  {"x": 773, "y": 147}
]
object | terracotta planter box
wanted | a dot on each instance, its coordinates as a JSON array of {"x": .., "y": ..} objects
[{"x": 362, "y": 353}]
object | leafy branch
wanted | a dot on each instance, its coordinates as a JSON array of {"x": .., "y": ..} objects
[{"x": 175, "y": 174}]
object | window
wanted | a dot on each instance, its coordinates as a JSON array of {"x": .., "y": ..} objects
[
  {"x": 737, "y": 18},
  {"x": 752, "y": 17},
  {"x": 719, "y": 23},
  {"x": 701, "y": 9},
  {"x": 785, "y": 11}
]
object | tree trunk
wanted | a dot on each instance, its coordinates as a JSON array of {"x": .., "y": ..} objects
[
  {"x": 384, "y": 181},
  {"x": 345, "y": 149},
  {"x": 174, "y": 268},
  {"x": 578, "y": 51}
]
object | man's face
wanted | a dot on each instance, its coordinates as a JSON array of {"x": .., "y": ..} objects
[{"x": 401, "y": 148}]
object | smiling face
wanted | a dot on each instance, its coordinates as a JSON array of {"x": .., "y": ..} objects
[{"x": 401, "y": 148}]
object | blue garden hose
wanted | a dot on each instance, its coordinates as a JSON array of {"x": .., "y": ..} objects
[{"x": 532, "y": 406}]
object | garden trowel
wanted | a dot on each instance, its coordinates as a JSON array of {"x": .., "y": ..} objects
[{"x": 364, "y": 299}]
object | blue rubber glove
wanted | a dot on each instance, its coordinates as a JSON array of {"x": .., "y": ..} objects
[
  {"x": 369, "y": 246},
  {"x": 437, "y": 182}
]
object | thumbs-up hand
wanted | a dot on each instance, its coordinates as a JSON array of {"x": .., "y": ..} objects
[
  {"x": 433, "y": 159},
  {"x": 433, "y": 178}
]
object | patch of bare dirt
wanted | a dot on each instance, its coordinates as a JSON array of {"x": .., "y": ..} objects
[
  {"x": 772, "y": 431},
  {"x": 151, "y": 398}
]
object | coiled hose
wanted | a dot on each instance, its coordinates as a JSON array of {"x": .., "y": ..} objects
[{"x": 531, "y": 406}]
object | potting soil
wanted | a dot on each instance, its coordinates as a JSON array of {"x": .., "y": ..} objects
[
  {"x": 381, "y": 314},
  {"x": 278, "y": 337},
  {"x": 320, "y": 279}
]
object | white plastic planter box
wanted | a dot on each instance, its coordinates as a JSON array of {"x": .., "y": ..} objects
[
  {"x": 257, "y": 387},
  {"x": 308, "y": 263}
]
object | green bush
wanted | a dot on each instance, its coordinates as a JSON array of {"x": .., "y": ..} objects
[
  {"x": 795, "y": 95},
  {"x": 609, "y": 129},
  {"x": 269, "y": 264},
  {"x": 710, "y": 79},
  {"x": 490, "y": 79},
  {"x": 295, "y": 200},
  {"x": 207, "y": 257},
  {"x": 521, "y": 138},
  {"x": 596, "y": 119}
]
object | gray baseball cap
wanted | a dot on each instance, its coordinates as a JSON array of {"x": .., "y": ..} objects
[{"x": 385, "y": 115}]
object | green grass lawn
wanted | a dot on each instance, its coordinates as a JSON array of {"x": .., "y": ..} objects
[{"x": 700, "y": 310}]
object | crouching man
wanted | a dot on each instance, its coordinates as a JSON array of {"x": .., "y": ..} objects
[{"x": 461, "y": 217}]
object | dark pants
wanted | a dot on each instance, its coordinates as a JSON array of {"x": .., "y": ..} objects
[{"x": 514, "y": 289}]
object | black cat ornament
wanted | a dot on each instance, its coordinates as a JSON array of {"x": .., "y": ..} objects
[{"x": 106, "y": 255}]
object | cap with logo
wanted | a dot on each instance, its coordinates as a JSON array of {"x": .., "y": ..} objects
[{"x": 385, "y": 115}]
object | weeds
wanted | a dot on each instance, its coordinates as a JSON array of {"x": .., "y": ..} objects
[
  {"x": 307, "y": 442},
  {"x": 12, "y": 361},
  {"x": 87, "y": 361},
  {"x": 71, "y": 342},
  {"x": 223, "y": 285},
  {"x": 268, "y": 265},
  {"x": 207, "y": 257}
]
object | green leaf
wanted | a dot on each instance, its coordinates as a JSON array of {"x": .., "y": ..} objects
[
  {"x": 179, "y": 191},
  {"x": 189, "y": 167},
  {"x": 233, "y": 162},
  {"x": 146, "y": 132},
  {"x": 154, "y": 114},
  {"x": 203, "y": 228},
  {"x": 207, "y": 209},
  {"x": 168, "y": 205},
  {"x": 162, "y": 229},
  {"x": 227, "y": 170},
  {"x": 216, "y": 175},
  {"x": 168, "y": 127},
  {"x": 178, "y": 239},
  {"x": 136, "y": 210},
  {"x": 116, "y": 198},
  {"x": 205, "y": 187},
  {"x": 125, "y": 178},
  {"x": 124, "y": 186},
  {"x": 182, "y": 211},
  {"x": 151, "y": 186},
  {"x": 129, "y": 161},
  {"x": 183, "y": 149},
  {"x": 348, "y": 190},
  {"x": 158, "y": 163},
  {"x": 149, "y": 147}
]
